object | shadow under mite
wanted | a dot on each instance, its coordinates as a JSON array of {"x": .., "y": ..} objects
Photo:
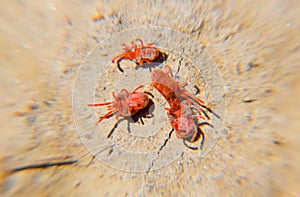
[{"x": 198, "y": 135}]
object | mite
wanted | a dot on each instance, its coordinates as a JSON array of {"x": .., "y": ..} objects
[
  {"x": 137, "y": 52},
  {"x": 125, "y": 103},
  {"x": 180, "y": 114}
]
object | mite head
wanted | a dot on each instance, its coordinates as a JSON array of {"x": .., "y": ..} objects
[
  {"x": 186, "y": 127},
  {"x": 121, "y": 103}
]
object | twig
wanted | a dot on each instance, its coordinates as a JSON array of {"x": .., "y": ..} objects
[{"x": 43, "y": 165}]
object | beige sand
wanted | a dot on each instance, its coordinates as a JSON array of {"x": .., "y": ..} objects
[{"x": 255, "y": 47}]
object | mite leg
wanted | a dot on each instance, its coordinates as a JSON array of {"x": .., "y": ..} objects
[
  {"x": 117, "y": 59},
  {"x": 139, "y": 87},
  {"x": 106, "y": 115},
  {"x": 128, "y": 127},
  {"x": 202, "y": 133},
  {"x": 199, "y": 110},
  {"x": 109, "y": 107},
  {"x": 142, "y": 121},
  {"x": 210, "y": 110},
  {"x": 198, "y": 117},
  {"x": 99, "y": 104},
  {"x": 201, "y": 143},
  {"x": 141, "y": 42},
  {"x": 206, "y": 115},
  {"x": 141, "y": 62},
  {"x": 188, "y": 146},
  {"x": 205, "y": 123},
  {"x": 150, "y": 44},
  {"x": 149, "y": 94},
  {"x": 118, "y": 114},
  {"x": 126, "y": 47},
  {"x": 133, "y": 44},
  {"x": 201, "y": 101},
  {"x": 184, "y": 83},
  {"x": 168, "y": 69},
  {"x": 203, "y": 139},
  {"x": 119, "y": 66}
]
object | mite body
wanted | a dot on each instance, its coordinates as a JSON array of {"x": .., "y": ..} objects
[
  {"x": 174, "y": 92},
  {"x": 125, "y": 103},
  {"x": 137, "y": 52},
  {"x": 180, "y": 114},
  {"x": 182, "y": 120}
]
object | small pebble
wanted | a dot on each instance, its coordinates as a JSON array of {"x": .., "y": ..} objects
[
  {"x": 276, "y": 142},
  {"x": 112, "y": 12},
  {"x": 49, "y": 102},
  {"x": 97, "y": 17},
  {"x": 251, "y": 65},
  {"x": 20, "y": 113},
  {"x": 118, "y": 21},
  {"x": 32, "y": 106}
]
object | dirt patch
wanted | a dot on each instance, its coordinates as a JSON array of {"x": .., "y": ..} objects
[{"x": 253, "y": 45}]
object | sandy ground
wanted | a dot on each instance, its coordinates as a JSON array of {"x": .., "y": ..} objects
[{"x": 247, "y": 56}]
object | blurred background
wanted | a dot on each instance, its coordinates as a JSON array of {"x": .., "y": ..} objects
[{"x": 254, "y": 44}]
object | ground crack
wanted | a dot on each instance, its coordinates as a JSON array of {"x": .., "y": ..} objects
[
  {"x": 178, "y": 68},
  {"x": 159, "y": 150}
]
